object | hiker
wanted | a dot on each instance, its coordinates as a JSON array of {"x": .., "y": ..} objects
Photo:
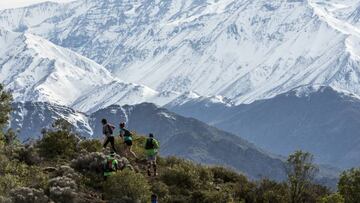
[
  {"x": 127, "y": 137},
  {"x": 108, "y": 131},
  {"x": 110, "y": 165},
  {"x": 151, "y": 148},
  {"x": 154, "y": 198}
]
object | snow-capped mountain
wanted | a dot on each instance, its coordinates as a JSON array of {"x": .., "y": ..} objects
[
  {"x": 35, "y": 69},
  {"x": 243, "y": 50}
]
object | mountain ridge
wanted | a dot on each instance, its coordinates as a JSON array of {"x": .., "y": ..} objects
[{"x": 318, "y": 119}]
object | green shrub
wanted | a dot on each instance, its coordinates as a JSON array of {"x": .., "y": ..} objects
[
  {"x": 90, "y": 145},
  {"x": 333, "y": 198},
  {"x": 15, "y": 174},
  {"x": 210, "y": 197},
  {"x": 224, "y": 175},
  {"x": 58, "y": 144},
  {"x": 349, "y": 185},
  {"x": 7, "y": 183},
  {"x": 162, "y": 191},
  {"x": 182, "y": 176},
  {"x": 271, "y": 191},
  {"x": 127, "y": 186}
]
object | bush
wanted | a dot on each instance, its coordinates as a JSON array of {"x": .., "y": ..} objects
[
  {"x": 5, "y": 199},
  {"x": 224, "y": 175},
  {"x": 162, "y": 191},
  {"x": 349, "y": 185},
  {"x": 182, "y": 176},
  {"x": 8, "y": 182},
  {"x": 91, "y": 162},
  {"x": 90, "y": 145},
  {"x": 14, "y": 174},
  {"x": 210, "y": 197},
  {"x": 333, "y": 198},
  {"x": 28, "y": 195},
  {"x": 58, "y": 144},
  {"x": 63, "y": 189},
  {"x": 127, "y": 186},
  {"x": 271, "y": 191},
  {"x": 28, "y": 155}
]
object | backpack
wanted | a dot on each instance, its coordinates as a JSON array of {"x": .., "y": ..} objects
[
  {"x": 149, "y": 144},
  {"x": 110, "y": 128},
  {"x": 127, "y": 133},
  {"x": 108, "y": 166}
]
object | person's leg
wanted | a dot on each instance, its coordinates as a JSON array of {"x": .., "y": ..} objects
[
  {"x": 131, "y": 152},
  {"x": 112, "y": 142},
  {"x": 155, "y": 167},
  {"x": 126, "y": 150},
  {"x": 106, "y": 142},
  {"x": 149, "y": 167}
]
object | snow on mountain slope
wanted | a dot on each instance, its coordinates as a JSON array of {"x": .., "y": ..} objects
[
  {"x": 194, "y": 97},
  {"x": 243, "y": 50},
  {"x": 35, "y": 69},
  {"x": 121, "y": 93}
]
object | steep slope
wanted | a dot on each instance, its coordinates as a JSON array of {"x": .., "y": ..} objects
[
  {"x": 178, "y": 135},
  {"x": 243, "y": 50},
  {"x": 317, "y": 119},
  {"x": 35, "y": 69}
]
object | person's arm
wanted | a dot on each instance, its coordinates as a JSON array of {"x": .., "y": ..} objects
[
  {"x": 104, "y": 131},
  {"x": 156, "y": 143}
]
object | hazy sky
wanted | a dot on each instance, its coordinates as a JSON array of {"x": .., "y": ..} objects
[{"x": 20, "y": 3}]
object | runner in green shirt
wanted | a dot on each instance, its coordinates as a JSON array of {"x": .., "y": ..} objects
[
  {"x": 151, "y": 147},
  {"x": 110, "y": 165}
]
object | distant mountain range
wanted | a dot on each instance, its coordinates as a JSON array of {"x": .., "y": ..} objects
[{"x": 319, "y": 119}]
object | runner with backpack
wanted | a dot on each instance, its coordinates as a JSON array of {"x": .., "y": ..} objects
[
  {"x": 110, "y": 165},
  {"x": 151, "y": 147},
  {"x": 108, "y": 131},
  {"x": 128, "y": 140}
]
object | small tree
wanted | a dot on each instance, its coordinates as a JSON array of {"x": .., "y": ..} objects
[
  {"x": 5, "y": 109},
  {"x": 5, "y": 106},
  {"x": 59, "y": 143},
  {"x": 301, "y": 172},
  {"x": 349, "y": 185}
]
